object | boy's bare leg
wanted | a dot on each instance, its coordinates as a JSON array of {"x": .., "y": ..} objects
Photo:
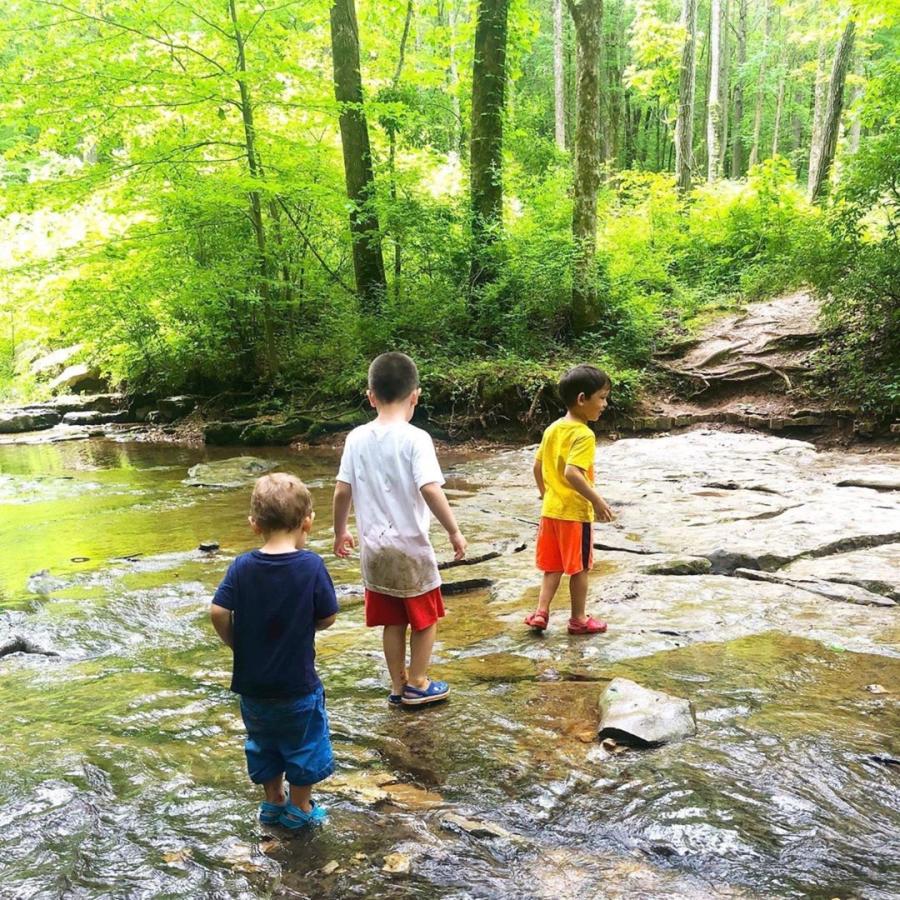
[
  {"x": 549, "y": 587},
  {"x": 301, "y": 795},
  {"x": 420, "y": 646},
  {"x": 578, "y": 588},
  {"x": 274, "y": 789},
  {"x": 393, "y": 639}
]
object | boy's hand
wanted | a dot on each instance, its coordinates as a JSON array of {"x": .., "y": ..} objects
[
  {"x": 343, "y": 544},
  {"x": 602, "y": 511},
  {"x": 459, "y": 544}
]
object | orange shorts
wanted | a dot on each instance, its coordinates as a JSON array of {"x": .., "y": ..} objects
[
  {"x": 564, "y": 546},
  {"x": 419, "y": 612}
]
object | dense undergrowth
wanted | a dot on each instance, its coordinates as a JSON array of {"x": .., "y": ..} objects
[{"x": 169, "y": 316}]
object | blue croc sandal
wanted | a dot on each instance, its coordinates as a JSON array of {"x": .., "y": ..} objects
[
  {"x": 294, "y": 818},
  {"x": 436, "y": 690},
  {"x": 270, "y": 813},
  {"x": 395, "y": 699}
]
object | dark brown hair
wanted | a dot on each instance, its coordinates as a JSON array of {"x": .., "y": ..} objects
[
  {"x": 393, "y": 376},
  {"x": 280, "y": 502},
  {"x": 582, "y": 379}
]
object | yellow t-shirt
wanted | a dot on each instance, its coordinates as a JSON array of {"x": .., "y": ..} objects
[{"x": 566, "y": 443}]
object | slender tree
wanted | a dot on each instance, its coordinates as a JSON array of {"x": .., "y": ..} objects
[
  {"x": 453, "y": 86},
  {"x": 856, "y": 125},
  {"x": 832, "y": 117},
  {"x": 559, "y": 84},
  {"x": 587, "y": 16},
  {"x": 684, "y": 122},
  {"x": 392, "y": 126},
  {"x": 820, "y": 91},
  {"x": 368, "y": 263},
  {"x": 486, "y": 151},
  {"x": 760, "y": 82},
  {"x": 714, "y": 111},
  {"x": 724, "y": 86},
  {"x": 737, "y": 140},
  {"x": 779, "y": 99}
]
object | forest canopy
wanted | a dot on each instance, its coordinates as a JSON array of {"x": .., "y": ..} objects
[{"x": 215, "y": 194}]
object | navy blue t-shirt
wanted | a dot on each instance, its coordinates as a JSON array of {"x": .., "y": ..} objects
[{"x": 276, "y": 599}]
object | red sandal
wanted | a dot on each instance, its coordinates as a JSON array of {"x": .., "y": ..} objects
[
  {"x": 589, "y": 626},
  {"x": 537, "y": 620}
]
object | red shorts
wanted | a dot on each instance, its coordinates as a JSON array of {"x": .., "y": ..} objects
[
  {"x": 564, "y": 546},
  {"x": 420, "y": 612}
]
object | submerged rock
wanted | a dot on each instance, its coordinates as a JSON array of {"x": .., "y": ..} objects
[
  {"x": 632, "y": 714},
  {"x": 18, "y": 644},
  {"x": 678, "y": 565},
  {"x": 847, "y": 593},
  {"x": 475, "y": 827},
  {"x": 234, "y": 472}
]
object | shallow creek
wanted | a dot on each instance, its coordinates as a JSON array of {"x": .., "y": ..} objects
[{"x": 123, "y": 772}]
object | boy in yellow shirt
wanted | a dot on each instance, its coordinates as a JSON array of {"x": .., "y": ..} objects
[{"x": 564, "y": 472}]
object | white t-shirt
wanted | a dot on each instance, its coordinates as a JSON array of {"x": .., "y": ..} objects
[{"x": 386, "y": 466}]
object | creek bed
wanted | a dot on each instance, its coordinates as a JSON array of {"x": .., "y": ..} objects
[{"x": 123, "y": 766}]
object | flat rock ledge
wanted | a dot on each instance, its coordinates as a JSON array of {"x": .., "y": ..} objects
[{"x": 635, "y": 715}]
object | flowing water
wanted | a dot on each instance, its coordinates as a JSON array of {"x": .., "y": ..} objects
[{"x": 123, "y": 772}]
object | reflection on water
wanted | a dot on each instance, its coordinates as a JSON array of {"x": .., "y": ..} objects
[{"x": 123, "y": 772}]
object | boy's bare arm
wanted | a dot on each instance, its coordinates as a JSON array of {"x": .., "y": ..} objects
[
  {"x": 579, "y": 482},
  {"x": 327, "y": 622},
  {"x": 222, "y": 622},
  {"x": 437, "y": 503},
  {"x": 538, "y": 477},
  {"x": 343, "y": 540}
]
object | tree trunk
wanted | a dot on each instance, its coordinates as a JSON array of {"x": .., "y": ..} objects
[
  {"x": 392, "y": 147},
  {"x": 820, "y": 89},
  {"x": 723, "y": 84},
  {"x": 684, "y": 122},
  {"x": 832, "y": 117},
  {"x": 368, "y": 263},
  {"x": 559, "y": 84},
  {"x": 856, "y": 125},
  {"x": 760, "y": 79},
  {"x": 456, "y": 140},
  {"x": 737, "y": 141},
  {"x": 713, "y": 113},
  {"x": 587, "y": 16},
  {"x": 486, "y": 167},
  {"x": 779, "y": 98},
  {"x": 254, "y": 165}
]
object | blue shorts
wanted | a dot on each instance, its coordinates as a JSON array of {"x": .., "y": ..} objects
[{"x": 289, "y": 736}]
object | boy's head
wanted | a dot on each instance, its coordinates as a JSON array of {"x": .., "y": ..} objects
[
  {"x": 280, "y": 502},
  {"x": 584, "y": 390},
  {"x": 393, "y": 377}
]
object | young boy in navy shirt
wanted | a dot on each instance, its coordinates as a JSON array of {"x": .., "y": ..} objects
[{"x": 268, "y": 608}]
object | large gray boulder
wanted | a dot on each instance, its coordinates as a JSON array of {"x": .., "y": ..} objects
[
  {"x": 95, "y": 417},
  {"x": 226, "y": 473},
  {"x": 172, "y": 408},
  {"x": 80, "y": 378},
  {"x": 635, "y": 715},
  {"x": 17, "y": 421},
  {"x": 55, "y": 362}
]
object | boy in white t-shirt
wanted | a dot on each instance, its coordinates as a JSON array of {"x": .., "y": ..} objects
[{"x": 390, "y": 472}]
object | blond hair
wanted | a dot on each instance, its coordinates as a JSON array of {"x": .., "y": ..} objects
[{"x": 280, "y": 502}]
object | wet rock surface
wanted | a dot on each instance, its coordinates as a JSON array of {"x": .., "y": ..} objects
[
  {"x": 228, "y": 473},
  {"x": 632, "y": 714},
  {"x": 788, "y": 789}
]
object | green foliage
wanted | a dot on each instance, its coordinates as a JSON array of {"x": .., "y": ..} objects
[
  {"x": 856, "y": 265},
  {"x": 142, "y": 217}
]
